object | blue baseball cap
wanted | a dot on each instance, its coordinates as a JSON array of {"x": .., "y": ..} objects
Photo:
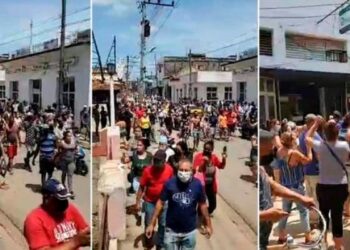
[{"x": 57, "y": 189}]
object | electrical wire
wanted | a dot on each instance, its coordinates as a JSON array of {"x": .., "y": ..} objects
[
  {"x": 44, "y": 31},
  {"x": 299, "y": 6},
  {"x": 292, "y": 17},
  {"x": 45, "y": 21},
  {"x": 166, "y": 19},
  {"x": 230, "y": 45}
]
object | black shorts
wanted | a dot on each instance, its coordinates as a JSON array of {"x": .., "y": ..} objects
[{"x": 46, "y": 166}]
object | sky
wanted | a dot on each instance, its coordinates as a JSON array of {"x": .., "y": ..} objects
[
  {"x": 202, "y": 26},
  {"x": 16, "y": 16},
  {"x": 306, "y": 15}
]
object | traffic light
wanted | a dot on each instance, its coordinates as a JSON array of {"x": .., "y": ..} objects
[{"x": 147, "y": 29}]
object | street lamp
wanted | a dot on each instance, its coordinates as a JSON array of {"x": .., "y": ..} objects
[{"x": 111, "y": 72}]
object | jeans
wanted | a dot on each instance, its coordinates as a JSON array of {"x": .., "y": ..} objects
[
  {"x": 68, "y": 170},
  {"x": 179, "y": 241},
  {"x": 136, "y": 183},
  {"x": 148, "y": 209},
  {"x": 304, "y": 212}
]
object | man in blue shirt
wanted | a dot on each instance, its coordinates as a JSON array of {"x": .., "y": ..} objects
[
  {"x": 47, "y": 153},
  {"x": 184, "y": 194}
]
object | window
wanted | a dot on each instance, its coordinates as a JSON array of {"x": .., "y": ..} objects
[
  {"x": 181, "y": 93},
  {"x": 14, "y": 90},
  {"x": 68, "y": 94},
  {"x": 265, "y": 43},
  {"x": 241, "y": 91},
  {"x": 35, "y": 86},
  {"x": 2, "y": 92},
  {"x": 212, "y": 93},
  {"x": 228, "y": 93},
  {"x": 195, "y": 93}
]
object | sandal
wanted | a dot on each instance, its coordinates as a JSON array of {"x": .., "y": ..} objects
[
  {"x": 203, "y": 230},
  {"x": 4, "y": 186}
]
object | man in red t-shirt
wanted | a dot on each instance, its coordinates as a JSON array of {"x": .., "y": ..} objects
[
  {"x": 151, "y": 185},
  {"x": 56, "y": 224}
]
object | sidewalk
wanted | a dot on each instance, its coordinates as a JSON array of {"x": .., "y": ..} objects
[
  {"x": 294, "y": 228},
  {"x": 229, "y": 233}
]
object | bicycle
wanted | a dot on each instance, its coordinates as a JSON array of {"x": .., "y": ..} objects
[{"x": 317, "y": 244}]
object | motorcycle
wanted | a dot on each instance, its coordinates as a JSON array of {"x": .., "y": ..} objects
[{"x": 81, "y": 166}]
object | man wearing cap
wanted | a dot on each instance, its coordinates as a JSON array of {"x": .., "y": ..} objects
[
  {"x": 311, "y": 170},
  {"x": 56, "y": 223},
  {"x": 151, "y": 184}
]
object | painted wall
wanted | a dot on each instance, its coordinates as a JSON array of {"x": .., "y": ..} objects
[
  {"x": 80, "y": 70},
  {"x": 270, "y": 19}
]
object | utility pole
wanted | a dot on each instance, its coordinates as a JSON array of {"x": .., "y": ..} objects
[
  {"x": 145, "y": 22},
  {"x": 61, "y": 64},
  {"x": 143, "y": 46},
  {"x": 190, "y": 75},
  {"x": 127, "y": 70},
  {"x": 31, "y": 37},
  {"x": 156, "y": 72}
]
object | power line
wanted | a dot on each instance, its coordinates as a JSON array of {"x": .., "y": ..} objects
[
  {"x": 166, "y": 19},
  {"x": 46, "y": 21},
  {"x": 332, "y": 12},
  {"x": 299, "y": 6},
  {"x": 44, "y": 31},
  {"x": 231, "y": 45},
  {"x": 291, "y": 17}
]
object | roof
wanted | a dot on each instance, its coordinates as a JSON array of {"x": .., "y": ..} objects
[
  {"x": 97, "y": 84},
  {"x": 241, "y": 60},
  {"x": 45, "y": 51}
]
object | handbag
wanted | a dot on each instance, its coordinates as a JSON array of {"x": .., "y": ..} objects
[{"x": 339, "y": 161}]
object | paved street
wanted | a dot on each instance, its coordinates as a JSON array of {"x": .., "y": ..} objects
[
  {"x": 235, "y": 219},
  {"x": 23, "y": 196}
]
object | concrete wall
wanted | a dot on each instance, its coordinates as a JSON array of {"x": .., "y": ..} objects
[
  {"x": 49, "y": 89},
  {"x": 328, "y": 29},
  {"x": 252, "y": 85}
]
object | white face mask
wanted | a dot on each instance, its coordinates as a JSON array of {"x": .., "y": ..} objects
[{"x": 184, "y": 176}]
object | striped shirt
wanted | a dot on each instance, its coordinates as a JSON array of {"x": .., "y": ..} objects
[
  {"x": 291, "y": 177},
  {"x": 47, "y": 146}
]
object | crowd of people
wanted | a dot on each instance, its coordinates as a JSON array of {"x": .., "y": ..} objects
[
  {"x": 28, "y": 132},
  {"x": 49, "y": 134},
  {"x": 175, "y": 184},
  {"x": 308, "y": 166}
]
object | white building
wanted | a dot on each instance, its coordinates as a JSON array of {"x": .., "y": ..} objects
[
  {"x": 34, "y": 77},
  {"x": 304, "y": 66},
  {"x": 244, "y": 79},
  {"x": 211, "y": 86}
]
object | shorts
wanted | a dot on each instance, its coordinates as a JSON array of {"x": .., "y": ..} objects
[{"x": 11, "y": 151}]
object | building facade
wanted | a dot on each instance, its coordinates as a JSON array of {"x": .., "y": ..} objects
[
  {"x": 244, "y": 79},
  {"x": 304, "y": 66},
  {"x": 211, "y": 86},
  {"x": 34, "y": 77}
]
